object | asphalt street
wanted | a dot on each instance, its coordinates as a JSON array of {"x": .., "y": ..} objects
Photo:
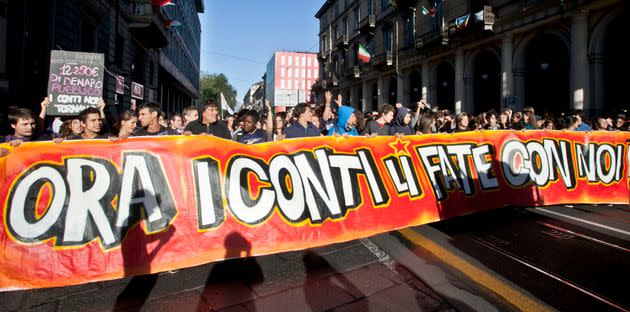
[{"x": 567, "y": 258}]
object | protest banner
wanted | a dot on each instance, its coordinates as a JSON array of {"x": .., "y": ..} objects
[
  {"x": 75, "y": 81},
  {"x": 88, "y": 211}
]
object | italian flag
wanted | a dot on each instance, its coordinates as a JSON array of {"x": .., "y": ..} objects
[{"x": 364, "y": 55}]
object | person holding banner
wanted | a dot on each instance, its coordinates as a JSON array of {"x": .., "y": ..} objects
[
  {"x": 346, "y": 122},
  {"x": 380, "y": 126},
  {"x": 209, "y": 123},
  {"x": 402, "y": 123},
  {"x": 189, "y": 114},
  {"x": 92, "y": 124},
  {"x": 302, "y": 127},
  {"x": 127, "y": 124},
  {"x": 149, "y": 117},
  {"x": 25, "y": 124}
]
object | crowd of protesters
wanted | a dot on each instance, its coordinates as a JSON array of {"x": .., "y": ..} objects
[{"x": 303, "y": 120}]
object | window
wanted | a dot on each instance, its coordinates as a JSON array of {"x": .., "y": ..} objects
[
  {"x": 282, "y": 72},
  {"x": 325, "y": 21},
  {"x": 303, "y": 73},
  {"x": 303, "y": 84},
  {"x": 345, "y": 26},
  {"x": 336, "y": 32},
  {"x": 323, "y": 45},
  {"x": 290, "y": 75},
  {"x": 281, "y": 83},
  {"x": 409, "y": 32},
  {"x": 296, "y": 85},
  {"x": 290, "y": 62},
  {"x": 369, "y": 45},
  {"x": 388, "y": 38},
  {"x": 309, "y": 61},
  {"x": 88, "y": 35},
  {"x": 357, "y": 19},
  {"x": 370, "y": 7},
  {"x": 297, "y": 61},
  {"x": 384, "y": 4},
  {"x": 289, "y": 84},
  {"x": 437, "y": 20},
  {"x": 475, "y": 6},
  {"x": 282, "y": 60},
  {"x": 337, "y": 10},
  {"x": 345, "y": 4},
  {"x": 308, "y": 85},
  {"x": 308, "y": 73},
  {"x": 119, "y": 50},
  {"x": 303, "y": 60}
]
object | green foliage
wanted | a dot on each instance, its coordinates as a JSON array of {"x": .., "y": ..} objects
[{"x": 211, "y": 86}]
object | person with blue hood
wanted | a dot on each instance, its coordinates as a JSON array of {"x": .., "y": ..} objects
[
  {"x": 346, "y": 121},
  {"x": 401, "y": 124}
]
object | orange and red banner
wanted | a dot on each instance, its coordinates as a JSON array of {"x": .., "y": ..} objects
[{"x": 87, "y": 211}]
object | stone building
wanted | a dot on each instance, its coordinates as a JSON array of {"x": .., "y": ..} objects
[
  {"x": 132, "y": 34},
  {"x": 477, "y": 55}
]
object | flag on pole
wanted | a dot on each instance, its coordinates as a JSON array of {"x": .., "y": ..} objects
[
  {"x": 425, "y": 11},
  {"x": 363, "y": 54},
  {"x": 172, "y": 23},
  {"x": 462, "y": 22},
  {"x": 225, "y": 106},
  {"x": 163, "y": 2}
]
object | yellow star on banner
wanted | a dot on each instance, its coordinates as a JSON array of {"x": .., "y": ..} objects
[{"x": 400, "y": 147}]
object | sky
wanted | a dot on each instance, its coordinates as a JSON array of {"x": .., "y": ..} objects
[{"x": 238, "y": 37}]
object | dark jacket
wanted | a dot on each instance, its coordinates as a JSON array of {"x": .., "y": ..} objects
[
  {"x": 295, "y": 130},
  {"x": 218, "y": 129},
  {"x": 399, "y": 126}
]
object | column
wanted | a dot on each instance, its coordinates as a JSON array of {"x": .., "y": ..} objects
[
  {"x": 354, "y": 97},
  {"x": 470, "y": 104},
  {"x": 519, "y": 88},
  {"x": 579, "y": 62},
  {"x": 425, "y": 82},
  {"x": 380, "y": 91},
  {"x": 365, "y": 95},
  {"x": 507, "y": 78},
  {"x": 400, "y": 90},
  {"x": 597, "y": 73},
  {"x": 459, "y": 81}
]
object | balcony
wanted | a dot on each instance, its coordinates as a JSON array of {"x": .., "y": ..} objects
[
  {"x": 330, "y": 81},
  {"x": 322, "y": 55},
  {"x": 353, "y": 72},
  {"x": 368, "y": 25},
  {"x": 342, "y": 41},
  {"x": 384, "y": 59},
  {"x": 405, "y": 4},
  {"x": 432, "y": 38},
  {"x": 472, "y": 26},
  {"x": 146, "y": 24}
]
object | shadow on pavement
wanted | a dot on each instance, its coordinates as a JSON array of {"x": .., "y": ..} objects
[
  {"x": 240, "y": 267},
  {"x": 319, "y": 284},
  {"x": 137, "y": 261}
]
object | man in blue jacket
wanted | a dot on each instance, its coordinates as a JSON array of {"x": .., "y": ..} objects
[{"x": 346, "y": 122}]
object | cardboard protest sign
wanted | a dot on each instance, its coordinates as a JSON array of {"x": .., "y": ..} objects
[{"x": 75, "y": 81}]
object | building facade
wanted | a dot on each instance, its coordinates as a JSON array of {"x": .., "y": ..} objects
[
  {"x": 289, "y": 79},
  {"x": 476, "y": 55},
  {"x": 255, "y": 96},
  {"x": 180, "y": 59},
  {"x": 130, "y": 33}
]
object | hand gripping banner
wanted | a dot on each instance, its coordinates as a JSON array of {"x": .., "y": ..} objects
[{"x": 88, "y": 211}]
